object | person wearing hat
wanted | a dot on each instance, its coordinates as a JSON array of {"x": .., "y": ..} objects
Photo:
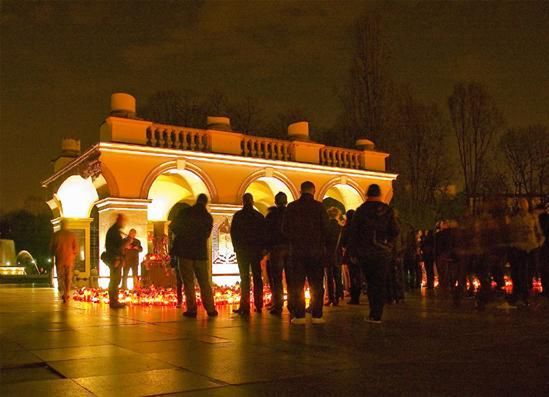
[
  {"x": 373, "y": 232},
  {"x": 277, "y": 245}
]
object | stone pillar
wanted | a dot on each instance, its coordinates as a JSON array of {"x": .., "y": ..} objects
[
  {"x": 224, "y": 269},
  {"x": 136, "y": 213}
]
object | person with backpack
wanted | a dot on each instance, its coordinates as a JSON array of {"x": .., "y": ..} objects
[{"x": 372, "y": 235}]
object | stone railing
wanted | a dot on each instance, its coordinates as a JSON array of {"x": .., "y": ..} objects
[
  {"x": 340, "y": 157},
  {"x": 235, "y": 143},
  {"x": 265, "y": 148},
  {"x": 167, "y": 136}
]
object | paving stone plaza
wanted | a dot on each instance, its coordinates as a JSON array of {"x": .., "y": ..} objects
[{"x": 424, "y": 347}]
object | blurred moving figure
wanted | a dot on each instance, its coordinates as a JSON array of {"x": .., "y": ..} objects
[
  {"x": 428, "y": 255},
  {"x": 113, "y": 256},
  {"x": 544, "y": 252},
  {"x": 444, "y": 240},
  {"x": 526, "y": 236},
  {"x": 64, "y": 248},
  {"x": 395, "y": 275}
]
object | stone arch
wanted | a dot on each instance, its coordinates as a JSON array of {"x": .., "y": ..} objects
[
  {"x": 75, "y": 197},
  {"x": 170, "y": 184},
  {"x": 105, "y": 183},
  {"x": 345, "y": 190},
  {"x": 267, "y": 183},
  {"x": 172, "y": 165}
]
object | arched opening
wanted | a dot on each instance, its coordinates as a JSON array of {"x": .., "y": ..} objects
[
  {"x": 347, "y": 195},
  {"x": 168, "y": 193},
  {"x": 172, "y": 187},
  {"x": 264, "y": 190},
  {"x": 77, "y": 196}
]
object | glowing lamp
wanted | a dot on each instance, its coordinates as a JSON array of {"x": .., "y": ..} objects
[{"x": 77, "y": 196}]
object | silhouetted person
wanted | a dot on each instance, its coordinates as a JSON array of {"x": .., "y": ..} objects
[
  {"x": 131, "y": 259},
  {"x": 64, "y": 248},
  {"x": 373, "y": 232},
  {"x": 114, "y": 258},
  {"x": 544, "y": 253},
  {"x": 395, "y": 276},
  {"x": 192, "y": 227},
  {"x": 332, "y": 259},
  {"x": 277, "y": 245},
  {"x": 355, "y": 274},
  {"x": 248, "y": 237},
  {"x": 526, "y": 236},
  {"x": 443, "y": 254},
  {"x": 428, "y": 255},
  {"x": 306, "y": 226}
]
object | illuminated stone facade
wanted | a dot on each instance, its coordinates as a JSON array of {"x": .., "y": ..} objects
[{"x": 143, "y": 169}]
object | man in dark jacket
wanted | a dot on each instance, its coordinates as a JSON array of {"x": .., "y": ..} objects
[
  {"x": 192, "y": 228},
  {"x": 115, "y": 246},
  {"x": 372, "y": 235},
  {"x": 306, "y": 226},
  {"x": 248, "y": 237},
  {"x": 277, "y": 245}
]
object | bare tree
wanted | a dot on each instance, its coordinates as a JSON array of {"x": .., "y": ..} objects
[
  {"x": 246, "y": 115},
  {"x": 365, "y": 95},
  {"x": 527, "y": 153},
  {"x": 174, "y": 107},
  {"x": 420, "y": 154},
  {"x": 216, "y": 103},
  {"x": 476, "y": 121}
]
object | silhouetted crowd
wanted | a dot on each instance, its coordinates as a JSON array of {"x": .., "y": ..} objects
[
  {"x": 472, "y": 255},
  {"x": 309, "y": 247}
]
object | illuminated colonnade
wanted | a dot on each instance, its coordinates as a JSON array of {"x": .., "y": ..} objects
[{"x": 143, "y": 170}]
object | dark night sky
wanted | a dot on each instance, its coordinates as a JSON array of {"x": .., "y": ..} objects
[{"x": 60, "y": 61}]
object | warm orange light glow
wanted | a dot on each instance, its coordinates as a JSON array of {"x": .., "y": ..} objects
[
  {"x": 77, "y": 196},
  {"x": 345, "y": 194},
  {"x": 248, "y": 161},
  {"x": 171, "y": 188}
]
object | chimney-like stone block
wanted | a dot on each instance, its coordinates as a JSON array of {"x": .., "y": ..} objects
[
  {"x": 306, "y": 152},
  {"x": 372, "y": 160},
  {"x": 119, "y": 129},
  {"x": 225, "y": 142}
]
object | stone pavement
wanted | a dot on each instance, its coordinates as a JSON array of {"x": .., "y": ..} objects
[{"x": 425, "y": 347}]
